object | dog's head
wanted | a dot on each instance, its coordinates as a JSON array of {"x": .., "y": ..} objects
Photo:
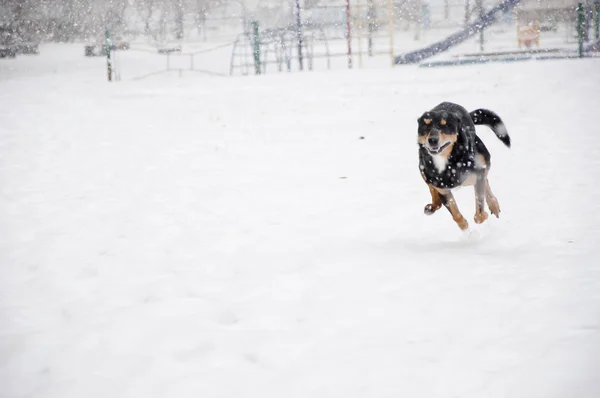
[{"x": 438, "y": 131}]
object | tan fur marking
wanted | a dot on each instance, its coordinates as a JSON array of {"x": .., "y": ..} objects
[
  {"x": 444, "y": 138},
  {"x": 453, "y": 209},
  {"x": 480, "y": 162},
  {"x": 436, "y": 202},
  {"x": 480, "y": 214},
  {"x": 470, "y": 180},
  {"x": 448, "y": 137},
  {"x": 481, "y": 217},
  {"x": 427, "y": 121},
  {"x": 491, "y": 200},
  {"x": 443, "y": 122}
]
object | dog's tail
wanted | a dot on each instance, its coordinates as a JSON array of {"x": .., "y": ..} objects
[{"x": 488, "y": 118}]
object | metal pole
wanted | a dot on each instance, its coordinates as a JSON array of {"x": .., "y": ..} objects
[
  {"x": 597, "y": 20},
  {"x": 256, "y": 47},
  {"x": 108, "y": 60},
  {"x": 299, "y": 33},
  {"x": 580, "y": 22},
  {"x": 391, "y": 30},
  {"x": 245, "y": 53},
  {"x": 419, "y": 24},
  {"x": 481, "y": 37},
  {"x": 588, "y": 21},
  {"x": 370, "y": 18},
  {"x": 359, "y": 33},
  {"x": 467, "y": 12},
  {"x": 349, "y": 34}
]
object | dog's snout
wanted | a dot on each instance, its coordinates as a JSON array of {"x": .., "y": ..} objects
[{"x": 434, "y": 140}]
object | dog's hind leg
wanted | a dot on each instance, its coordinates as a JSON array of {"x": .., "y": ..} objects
[
  {"x": 482, "y": 186},
  {"x": 448, "y": 201},
  {"x": 480, "y": 196},
  {"x": 436, "y": 202},
  {"x": 491, "y": 199}
]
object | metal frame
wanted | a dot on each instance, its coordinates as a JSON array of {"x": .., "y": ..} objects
[{"x": 281, "y": 43}]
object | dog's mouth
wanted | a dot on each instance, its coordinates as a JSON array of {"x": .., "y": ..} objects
[{"x": 437, "y": 149}]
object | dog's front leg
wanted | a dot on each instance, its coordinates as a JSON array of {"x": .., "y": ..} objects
[
  {"x": 436, "y": 202},
  {"x": 448, "y": 201}
]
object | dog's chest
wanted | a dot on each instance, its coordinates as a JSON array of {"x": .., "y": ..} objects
[
  {"x": 440, "y": 162},
  {"x": 445, "y": 172}
]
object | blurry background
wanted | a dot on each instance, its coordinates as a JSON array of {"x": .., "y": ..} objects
[{"x": 222, "y": 36}]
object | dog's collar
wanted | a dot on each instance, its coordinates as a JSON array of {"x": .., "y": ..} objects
[{"x": 446, "y": 145}]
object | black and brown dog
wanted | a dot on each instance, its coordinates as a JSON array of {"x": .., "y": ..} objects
[{"x": 451, "y": 155}]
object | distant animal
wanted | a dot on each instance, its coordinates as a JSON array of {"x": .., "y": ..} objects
[{"x": 451, "y": 155}]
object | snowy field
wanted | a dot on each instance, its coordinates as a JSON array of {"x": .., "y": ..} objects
[{"x": 234, "y": 237}]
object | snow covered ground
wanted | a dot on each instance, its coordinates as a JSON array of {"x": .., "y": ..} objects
[{"x": 234, "y": 237}]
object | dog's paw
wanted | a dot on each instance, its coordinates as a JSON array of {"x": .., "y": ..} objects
[
  {"x": 429, "y": 209},
  {"x": 494, "y": 206},
  {"x": 495, "y": 210},
  {"x": 462, "y": 223},
  {"x": 481, "y": 217}
]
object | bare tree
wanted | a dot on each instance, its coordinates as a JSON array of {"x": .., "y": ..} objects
[{"x": 67, "y": 20}]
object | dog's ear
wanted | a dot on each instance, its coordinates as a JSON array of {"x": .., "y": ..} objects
[{"x": 457, "y": 121}]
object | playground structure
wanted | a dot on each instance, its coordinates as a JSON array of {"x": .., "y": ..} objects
[
  {"x": 364, "y": 20},
  {"x": 485, "y": 20},
  {"x": 334, "y": 35},
  {"x": 580, "y": 13},
  {"x": 361, "y": 28},
  {"x": 252, "y": 51}
]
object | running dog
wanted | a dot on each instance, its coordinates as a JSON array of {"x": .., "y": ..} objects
[{"x": 451, "y": 155}]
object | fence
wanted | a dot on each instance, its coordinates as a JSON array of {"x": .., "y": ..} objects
[{"x": 360, "y": 33}]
